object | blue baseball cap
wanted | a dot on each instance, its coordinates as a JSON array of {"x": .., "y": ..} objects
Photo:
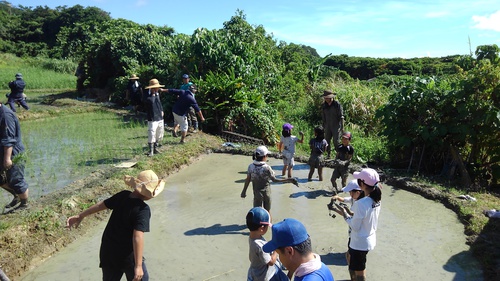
[
  {"x": 289, "y": 232},
  {"x": 185, "y": 76},
  {"x": 260, "y": 216}
]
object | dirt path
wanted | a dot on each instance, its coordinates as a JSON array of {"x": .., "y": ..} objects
[{"x": 198, "y": 231}]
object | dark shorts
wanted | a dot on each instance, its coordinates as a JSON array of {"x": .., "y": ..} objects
[
  {"x": 340, "y": 171},
  {"x": 262, "y": 198},
  {"x": 15, "y": 179},
  {"x": 315, "y": 161},
  {"x": 358, "y": 259},
  {"x": 111, "y": 273}
]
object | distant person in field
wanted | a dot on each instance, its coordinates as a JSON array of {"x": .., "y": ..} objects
[
  {"x": 12, "y": 166},
  {"x": 286, "y": 147},
  {"x": 333, "y": 120},
  {"x": 185, "y": 100},
  {"x": 16, "y": 95},
  {"x": 154, "y": 112},
  {"x": 192, "y": 120},
  {"x": 133, "y": 93}
]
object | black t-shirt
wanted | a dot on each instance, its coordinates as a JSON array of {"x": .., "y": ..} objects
[
  {"x": 344, "y": 151},
  {"x": 128, "y": 214}
]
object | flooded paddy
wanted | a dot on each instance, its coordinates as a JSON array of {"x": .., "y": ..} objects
[
  {"x": 198, "y": 231},
  {"x": 65, "y": 148}
]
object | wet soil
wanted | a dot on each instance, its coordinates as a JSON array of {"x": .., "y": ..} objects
[{"x": 198, "y": 230}]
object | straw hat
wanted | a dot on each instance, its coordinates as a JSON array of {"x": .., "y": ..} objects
[
  {"x": 153, "y": 83},
  {"x": 147, "y": 183},
  {"x": 133, "y": 77}
]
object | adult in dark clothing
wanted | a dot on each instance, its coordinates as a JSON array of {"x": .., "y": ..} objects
[
  {"x": 122, "y": 242},
  {"x": 17, "y": 93},
  {"x": 185, "y": 100},
  {"x": 333, "y": 120},
  {"x": 134, "y": 93},
  {"x": 154, "y": 113},
  {"x": 12, "y": 167}
]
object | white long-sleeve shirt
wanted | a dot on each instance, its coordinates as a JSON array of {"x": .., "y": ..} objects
[{"x": 364, "y": 224}]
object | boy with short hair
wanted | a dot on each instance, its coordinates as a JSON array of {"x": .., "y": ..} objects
[
  {"x": 259, "y": 173},
  {"x": 342, "y": 160},
  {"x": 123, "y": 239},
  {"x": 263, "y": 265}
]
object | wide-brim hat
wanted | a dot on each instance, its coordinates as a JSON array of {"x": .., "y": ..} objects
[
  {"x": 147, "y": 183},
  {"x": 154, "y": 83},
  {"x": 133, "y": 77},
  {"x": 328, "y": 94}
]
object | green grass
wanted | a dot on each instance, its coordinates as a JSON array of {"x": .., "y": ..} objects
[{"x": 38, "y": 73}]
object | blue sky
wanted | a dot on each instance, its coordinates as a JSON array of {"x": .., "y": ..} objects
[{"x": 365, "y": 28}]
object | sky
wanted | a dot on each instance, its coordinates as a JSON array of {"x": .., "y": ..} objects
[{"x": 361, "y": 28}]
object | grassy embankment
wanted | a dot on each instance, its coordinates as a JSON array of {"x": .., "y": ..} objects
[{"x": 29, "y": 237}]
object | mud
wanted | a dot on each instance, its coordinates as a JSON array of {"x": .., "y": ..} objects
[{"x": 198, "y": 231}]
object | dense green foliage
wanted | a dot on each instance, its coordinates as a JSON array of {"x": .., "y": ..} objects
[{"x": 432, "y": 115}]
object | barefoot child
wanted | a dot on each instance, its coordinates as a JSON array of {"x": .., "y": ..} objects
[
  {"x": 259, "y": 173},
  {"x": 318, "y": 146},
  {"x": 286, "y": 146}
]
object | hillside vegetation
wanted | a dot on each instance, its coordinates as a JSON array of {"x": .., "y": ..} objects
[{"x": 431, "y": 118}]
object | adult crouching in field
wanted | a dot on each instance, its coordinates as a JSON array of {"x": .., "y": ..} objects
[
  {"x": 185, "y": 100},
  {"x": 16, "y": 94},
  {"x": 12, "y": 167},
  {"x": 154, "y": 112},
  {"x": 333, "y": 120}
]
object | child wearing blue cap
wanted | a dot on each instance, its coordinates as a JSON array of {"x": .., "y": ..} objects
[
  {"x": 263, "y": 266},
  {"x": 293, "y": 244},
  {"x": 286, "y": 146}
]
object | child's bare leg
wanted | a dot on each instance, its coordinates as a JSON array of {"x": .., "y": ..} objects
[
  {"x": 290, "y": 169},
  {"x": 284, "y": 170},
  {"x": 311, "y": 172},
  {"x": 320, "y": 173}
]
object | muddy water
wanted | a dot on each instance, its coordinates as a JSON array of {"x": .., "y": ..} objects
[{"x": 198, "y": 231}]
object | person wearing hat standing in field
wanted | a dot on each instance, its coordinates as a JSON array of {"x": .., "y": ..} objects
[
  {"x": 192, "y": 120},
  {"x": 342, "y": 160},
  {"x": 122, "y": 243},
  {"x": 185, "y": 100},
  {"x": 133, "y": 93},
  {"x": 260, "y": 174},
  {"x": 364, "y": 221},
  {"x": 263, "y": 266},
  {"x": 12, "y": 165},
  {"x": 154, "y": 114},
  {"x": 293, "y": 245},
  {"x": 286, "y": 147},
  {"x": 17, "y": 93},
  {"x": 333, "y": 120}
]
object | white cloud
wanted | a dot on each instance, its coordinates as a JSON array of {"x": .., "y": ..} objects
[{"x": 491, "y": 22}]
